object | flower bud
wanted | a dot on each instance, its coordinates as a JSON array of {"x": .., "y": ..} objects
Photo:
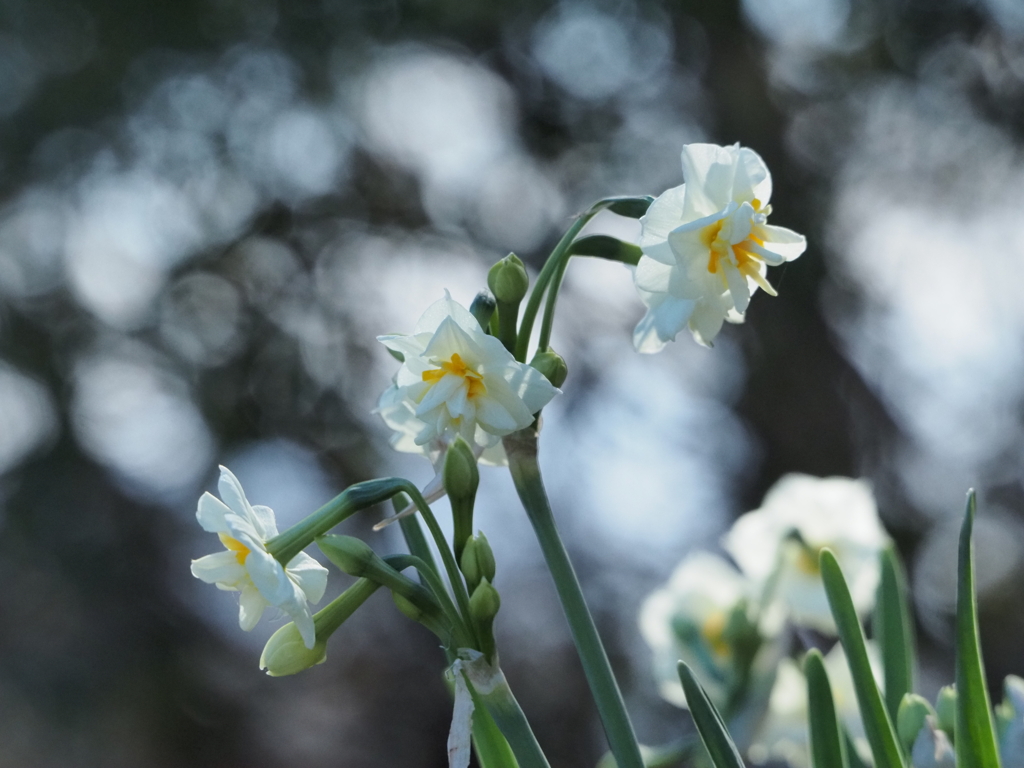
[
  {"x": 354, "y": 556},
  {"x": 932, "y": 748},
  {"x": 508, "y": 280},
  {"x": 285, "y": 652},
  {"x": 552, "y": 365},
  {"x": 461, "y": 479},
  {"x": 477, "y": 561},
  {"x": 482, "y": 308},
  {"x": 484, "y": 603},
  {"x": 945, "y": 708},
  {"x": 910, "y": 718}
]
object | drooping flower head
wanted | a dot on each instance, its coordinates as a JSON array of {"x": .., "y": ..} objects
[
  {"x": 707, "y": 245},
  {"x": 245, "y": 566},
  {"x": 799, "y": 516},
  {"x": 457, "y": 380}
]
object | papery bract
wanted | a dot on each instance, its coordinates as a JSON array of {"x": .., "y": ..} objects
[
  {"x": 799, "y": 516},
  {"x": 457, "y": 380},
  {"x": 707, "y": 246},
  {"x": 247, "y": 567}
]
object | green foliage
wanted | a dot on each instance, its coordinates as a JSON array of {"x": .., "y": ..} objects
[
  {"x": 894, "y": 631},
  {"x": 828, "y": 750},
  {"x": 712, "y": 730},
  {"x": 975, "y": 736}
]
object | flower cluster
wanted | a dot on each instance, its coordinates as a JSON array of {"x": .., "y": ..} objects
[
  {"x": 730, "y": 624},
  {"x": 247, "y": 567},
  {"x": 456, "y": 380},
  {"x": 707, "y": 245}
]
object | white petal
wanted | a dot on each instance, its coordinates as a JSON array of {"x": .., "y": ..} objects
[
  {"x": 661, "y": 324},
  {"x": 439, "y": 393},
  {"x": 251, "y": 605},
  {"x": 304, "y": 623},
  {"x": 267, "y": 527},
  {"x": 449, "y": 339},
  {"x": 652, "y": 276},
  {"x": 531, "y": 386},
  {"x": 211, "y": 512},
  {"x": 269, "y": 577},
  {"x": 444, "y": 308},
  {"x": 753, "y": 180},
  {"x": 664, "y": 215},
  {"x": 458, "y": 403},
  {"x": 709, "y": 172},
  {"x": 495, "y": 418},
  {"x": 738, "y": 287},
  {"x": 741, "y": 221},
  {"x": 706, "y": 321},
  {"x": 309, "y": 575},
  {"x": 232, "y": 494},
  {"x": 220, "y": 567},
  {"x": 410, "y": 346},
  {"x": 661, "y": 251},
  {"x": 785, "y": 242}
]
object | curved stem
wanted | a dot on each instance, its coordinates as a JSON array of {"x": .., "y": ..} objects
[
  {"x": 501, "y": 704},
  {"x": 460, "y": 630},
  {"x": 546, "y": 273},
  {"x": 521, "y": 448},
  {"x": 554, "y": 284},
  {"x": 454, "y": 575}
]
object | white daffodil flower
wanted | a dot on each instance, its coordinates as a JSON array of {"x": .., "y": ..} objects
[
  {"x": 245, "y": 566},
  {"x": 707, "y": 246},
  {"x": 783, "y": 733},
  {"x": 687, "y": 619},
  {"x": 799, "y": 516},
  {"x": 457, "y": 380}
]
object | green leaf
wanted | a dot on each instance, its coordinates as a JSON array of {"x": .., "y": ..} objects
[
  {"x": 975, "y": 735},
  {"x": 606, "y": 247},
  {"x": 878, "y": 725},
  {"x": 827, "y": 747},
  {"x": 712, "y": 730},
  {"x": 630, "y": 207},
  {"x": 894, "y": 630}
]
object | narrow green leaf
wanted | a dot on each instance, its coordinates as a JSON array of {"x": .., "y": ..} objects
[
  {"x": 606, "y": 247},
  {"x": 975, "y": 735},
  {"x": 894, "y": 631},
  {"x": 878, "y": 725},
  {"x": 827, "y": 747},
  {"x": 712, "y": 730}
]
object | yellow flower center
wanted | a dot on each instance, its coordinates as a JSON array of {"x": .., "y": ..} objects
[
  {"x": 807, "y": 559},
  {"x": 713, "y": 632},
  {"x": 721, "y": 250},
  {"x": 234, "y": 545},
  {"x": 473, "y": 380}
]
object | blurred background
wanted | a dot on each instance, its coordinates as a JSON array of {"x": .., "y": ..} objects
[{"x": 209, "y": 208}]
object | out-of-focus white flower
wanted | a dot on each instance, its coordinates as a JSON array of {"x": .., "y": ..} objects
[
  {"x": 707, "y": 246},
  {"x": 799, "y": 516},
  {"x": 783, "y": 734},
  {"x": 1010, "y": 718},
  {"x": 457, "y": 380},
  {"x": 245, "y": 566},
  {"x": 687, "y": 620}
]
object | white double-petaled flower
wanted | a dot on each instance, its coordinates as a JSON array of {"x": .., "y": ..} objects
[
  {"x": 456, "y": 380},
  {"x": 707, "y": 246},
  {"x": 801, "y": 515},
  {"x": 247, "y": 567}
]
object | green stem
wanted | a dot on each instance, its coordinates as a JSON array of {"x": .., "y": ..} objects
[
  {"x": 554, "y": 284},
  {"x": 436, "y": 586},
  {"x": 547, "y": 272},
  {"x": 508, "y": 314},
  {"x": 492, "y": 748},
  {"x": 521, "y": 448},
  {"x": 454, "y": 575}
]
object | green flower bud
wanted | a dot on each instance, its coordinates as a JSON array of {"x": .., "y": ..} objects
[
  {"x": 606, "y": 247},
  {"x": 484, "y": 603},
  {"x": 552, "y": 365},
  {"x": 911, "y": 717},
  {"x": 477, "y": 561},
  {"x": 354, "y": 556},
  {"x": 945, "y": 708},
  {"x": 508, "y": 280},
  {"x": 482, "y": 308},
  {"x": 285, "y": 653},
  {"x": 461, "y": 479}
]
